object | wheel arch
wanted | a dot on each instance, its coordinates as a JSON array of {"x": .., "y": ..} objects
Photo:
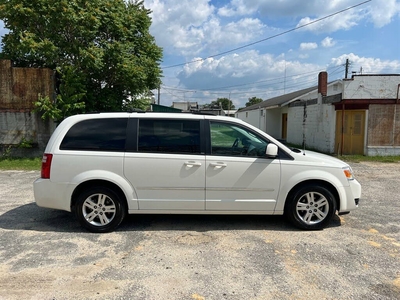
[
  {"x": 315, "y": 182},
  {"x": 94, "y": 183}
]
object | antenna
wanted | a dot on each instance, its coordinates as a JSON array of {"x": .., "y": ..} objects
[{"x": 304, "y": 126}]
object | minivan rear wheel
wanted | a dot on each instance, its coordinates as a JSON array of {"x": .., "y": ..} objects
[
  {"x": 100, "y": 209},
  {"x": 310, "y": 207}
]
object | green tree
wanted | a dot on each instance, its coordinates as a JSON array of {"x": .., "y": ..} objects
[
  {"x": 69, "y": 99},
  {"x": 224, "y": 103},
  {"x": 106, "y": 43},
  {"x": 253, "y": 100},
  {"x": 139, "y": 103}
]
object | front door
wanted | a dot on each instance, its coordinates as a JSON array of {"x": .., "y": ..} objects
[
  {"x": 238, "y": 175},
  {"x": 350, "y": 132}
]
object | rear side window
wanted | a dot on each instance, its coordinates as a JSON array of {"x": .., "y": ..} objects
[
  {"x": 169, "y": 136},
  {"x": 96, "y": 135}
]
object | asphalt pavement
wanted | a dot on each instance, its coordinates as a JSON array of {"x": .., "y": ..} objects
[{"x": 45, "y": 254}]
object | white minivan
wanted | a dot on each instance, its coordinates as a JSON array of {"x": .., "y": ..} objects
[{"x": 106, "y": 165}]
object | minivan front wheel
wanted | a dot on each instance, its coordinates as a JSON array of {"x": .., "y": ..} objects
[
  {"x": 310, "y": 207},
  {"x": 100, "y": 209}
]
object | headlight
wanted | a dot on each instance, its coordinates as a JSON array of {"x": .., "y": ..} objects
[{"x": 348, "y": 172}]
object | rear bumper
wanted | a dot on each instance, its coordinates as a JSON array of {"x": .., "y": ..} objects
[{"x": 51, "y": 195}]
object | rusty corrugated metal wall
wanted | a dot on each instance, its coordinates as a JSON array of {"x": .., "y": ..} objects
[
  {"x": 5, "y": 81},
  {"x": 384, "y": 125},
  {"x": 20, "y": 87}
]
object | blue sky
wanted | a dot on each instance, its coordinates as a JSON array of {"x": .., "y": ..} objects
[
  {"x": 190, "y": 31},
  {"x": 368, "y": 35}
]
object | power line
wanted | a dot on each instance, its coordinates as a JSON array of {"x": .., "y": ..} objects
[
  {"x": 272, "y": 82},
  {"x": 257, "y": 82},
  {"x": 296, "y": 84},
  {"x": 270, "y": 37}
]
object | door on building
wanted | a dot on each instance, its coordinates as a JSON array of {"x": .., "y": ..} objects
[
  {"x": 284, "y": 126},
  {"x": 350, "y": 140}
]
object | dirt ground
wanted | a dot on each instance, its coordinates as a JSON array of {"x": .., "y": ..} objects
[{"x": 45, "y": 254}]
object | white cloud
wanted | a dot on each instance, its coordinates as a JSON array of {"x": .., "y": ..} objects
[
  {"x": 265, "y": 74},
  {"x": 304, "y": 56},
  {"x": 343, "y": 21},
  {"x": 368, "y": 64},
  {"x": 178, "y": 24},
  {"x": 238, "y": 8},
  {"x": 190, "y": 28},
  {"x": 185, "y": 12},
  {"x": 383, "y": 11},
  {"x": 328, "y": 42},
  {"x": 241, "y": 31},
  {"x": 251, "y": 73},
  {"x": 308, "y": 46},
  {"x": 379, "y": 12}
]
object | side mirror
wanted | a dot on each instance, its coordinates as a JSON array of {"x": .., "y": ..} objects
[{"x": 271, "y": 151}]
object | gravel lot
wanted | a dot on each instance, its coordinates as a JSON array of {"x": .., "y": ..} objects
[{"x": 45, "y": 254}]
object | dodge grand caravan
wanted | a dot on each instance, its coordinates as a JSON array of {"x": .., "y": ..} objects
[{"x": 104, "y": 166}]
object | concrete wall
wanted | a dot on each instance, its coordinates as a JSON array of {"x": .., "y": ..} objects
[
  {"x": 312, "y": 122},
  {"x": 274, "y": 122},
  {"x": 268, "y": 120},
  {"x": 271, "y": 120},
  {"x": 20, "y": 129},
  {"x": 371, "y": 87},
  {"x": 252, "y": 117}
]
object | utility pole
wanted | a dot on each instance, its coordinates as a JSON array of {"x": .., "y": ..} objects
[
  {"x": 158, "y": 96},
  {"x": 346, "y": 68}
]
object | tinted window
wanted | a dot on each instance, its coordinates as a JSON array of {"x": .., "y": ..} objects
[
  {"x": 232, "y": 140},
  {"x": 169, "y": 136},
  {"x": 96, "y": 135}
]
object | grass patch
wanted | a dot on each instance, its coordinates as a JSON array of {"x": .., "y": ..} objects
[
  {"x": 25, "y": 164},
  {"x": 360, "y": 158},
  {"x": 356, "y": 158}
]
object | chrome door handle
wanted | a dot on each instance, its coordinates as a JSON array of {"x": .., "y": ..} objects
[
  {"x": 192, "y": 164},
  {"x": 218, "y": 165}
]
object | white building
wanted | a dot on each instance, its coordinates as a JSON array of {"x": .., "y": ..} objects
[{"x": 351, "y": 116}]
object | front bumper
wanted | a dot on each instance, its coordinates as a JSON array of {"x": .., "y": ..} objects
[{"x": 350, "y": 198}]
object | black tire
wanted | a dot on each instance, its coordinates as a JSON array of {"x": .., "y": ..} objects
[
  {"x": 100, "y": 209},
  {"x": 310, "y": 207}
]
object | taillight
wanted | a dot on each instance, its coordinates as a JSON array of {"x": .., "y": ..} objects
[{"x": 46, "y": 165}]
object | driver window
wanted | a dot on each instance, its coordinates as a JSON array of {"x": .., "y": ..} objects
[{"x": 232, "y": 140}]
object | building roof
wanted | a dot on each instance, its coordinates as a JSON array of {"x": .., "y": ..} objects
[
  {"x": 162, "y": 108},
  {"x": 279, "y": 100}
]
